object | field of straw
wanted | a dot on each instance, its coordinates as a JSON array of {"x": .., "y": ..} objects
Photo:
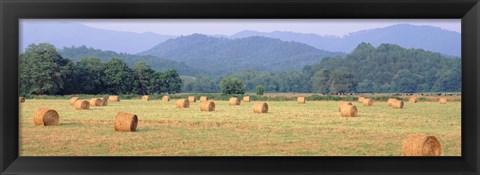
[{"x": 288, "y": 129}]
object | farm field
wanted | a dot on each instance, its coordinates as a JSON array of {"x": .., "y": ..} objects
[{"x": 288, "y": 129}]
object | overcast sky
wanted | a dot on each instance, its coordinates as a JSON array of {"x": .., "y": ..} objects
[{"x": 338, "y": 27}]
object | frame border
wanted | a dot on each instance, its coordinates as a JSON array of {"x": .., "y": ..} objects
[{"x": 11, "y": 11}]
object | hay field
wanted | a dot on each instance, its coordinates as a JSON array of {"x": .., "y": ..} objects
[{"x": 288, "y": 129}]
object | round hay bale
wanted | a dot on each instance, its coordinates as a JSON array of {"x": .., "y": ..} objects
[
  {"x": 442, "y": 100},
  {"x": 389, "y": 102},
  {"x": 367, "y": 102},
  {"x": 114, "y": 98},
  {"x": 301, "y": 100},
  {"x": 166, "y": 98},
  {"x": 96, "y": 102},
  {"x": 348, "y": 111},
  {"x": 203, "y": 98},
  {"x": 145, "y": 98},
  {"x": 21, "y": 99},
  {"x": 46, "y": 117},
  {"x": 397, "y": 104},
  {"x": 234, "y": 101},
  {"x": 82, "y": 105},
  {"x": 360, "y": 99},
  {"x": 246, "y": 99},
  {"x": 192, "y": 99},
  {"x": 73, "y": 100},
  {"x": 104, "y": 101},
  {"x": 412, "y": 100},
  {"x": 183, "y": 103},
  {"x": 207, "y": 106},
  {"x": 260, "y": 107},
  {"x": 342, "y": 103},
  {"x": 125, "y": 122},
  {"x": 421, "y": 145}
]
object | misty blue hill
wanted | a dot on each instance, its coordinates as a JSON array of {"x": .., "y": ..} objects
[
  {"x": 77, "y": 53},
  {"x": 72, "y": 34},
  {"x": 405, "y": 35},
  {"x": 222, "y": 55}
]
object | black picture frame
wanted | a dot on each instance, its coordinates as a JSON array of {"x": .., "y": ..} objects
[{"x": 466, "y": 10}]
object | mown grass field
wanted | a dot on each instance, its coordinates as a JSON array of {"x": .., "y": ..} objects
[{"x": 289, "y": 129}]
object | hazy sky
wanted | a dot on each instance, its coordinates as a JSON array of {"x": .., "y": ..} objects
[{"x": 337, "y": 27}]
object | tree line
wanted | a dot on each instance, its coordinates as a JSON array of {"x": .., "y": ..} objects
[{"x": 43, "y": 71}]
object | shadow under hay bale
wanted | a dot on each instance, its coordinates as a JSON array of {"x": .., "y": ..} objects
[
  {"x": 145, "y": 98},
  {"x": 165, "y": 98},
  {"x": 114, "y": 98},
  {"x": 46, "y": 117},
  {"x": 397, "y": 104},
  {"x": 367, "y": 102},
  {"x": 207, "y": 106},
  {"x": 342, "y": 103},
  {"x": 73, "y": 100},
  {"x": 234, "y": 101},
  {"x": 82, "y": 105},
  {"x": 301, "y": 100},
  {"x": 348, "y": 111},
  {"x": 125, "y": 122},
  {"x": 442, "y": 100},
  {"x": 21, "y": 99},
  {"x": 260, "y": 107},
  {"x": 183, "y": 103},
  {"x": 96, "y": 102},
  {"x": 421, "y": 145},
  {"x": 246, "y": 99},
  {"x": 192, "y": 99},
  {"x": 203, "y": 98}
]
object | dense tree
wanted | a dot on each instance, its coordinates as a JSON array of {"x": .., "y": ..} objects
[
  {"x": 118, "y": 77},
  {"x": 144, "y": 78},
  {"x": 232, "y": 86},
  {"x": 89, "y": 72},
  {"x": 170, "y": 82},
  {"x": 320, "y": 81},
  {"x": 42, "y": 70},
  {"x": 259, "y": 90},
  {"x": 342, "y": 81}
]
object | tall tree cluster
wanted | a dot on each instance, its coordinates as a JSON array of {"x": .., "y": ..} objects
[{"x": 42, "y": 70}]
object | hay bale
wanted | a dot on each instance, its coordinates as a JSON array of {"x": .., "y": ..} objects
[
  {"x": 207, "y": 106},
  {"x": 145, "y": 98},
  {"x": 125, "y": 122},
  {"x": 82, "y": 105},
  {"x": 301, "y": 100},
  {"x": 73, "y": 100},
  {"x": 21, "y": 99},
  {"x": 421, "y": 145},
  {"x": 397, "y": 104},
  {"x": 96, "y": 102},
  {"x": 260, "y": 107},
  {"x": 203, "y": 98},
  {"x": 114, "y": 98},
  {"x": 165, "y": 98},
  {"x": 389, "y": 102},
  {"x": 192, "y": 99},
  {"x": 442, "y": 100},
  {"x": 104, "y": 101},
  {"x": 360, "y": 99},
  {"x": 412, "y": 100},
  {"x": 342, "y": 103},
  {"x": 348, "y": 111},
  {"x": 234, "y": 101},
  {"x": 183, "y": 103},
  {"x": 246, "y": 98},
  {"x": 46, "y": 117},
  {"x": 367, "y": 102}
]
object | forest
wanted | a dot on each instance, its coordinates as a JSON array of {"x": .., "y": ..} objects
[{"x": 387, "y": 68}]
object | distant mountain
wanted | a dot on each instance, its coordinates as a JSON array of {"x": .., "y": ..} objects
[
  {"x": 77, "y": 53},
  {"x": 222, "y": 55},
  {"x": 72, "y": 34},
  {"x": 409, "y": 36}
]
